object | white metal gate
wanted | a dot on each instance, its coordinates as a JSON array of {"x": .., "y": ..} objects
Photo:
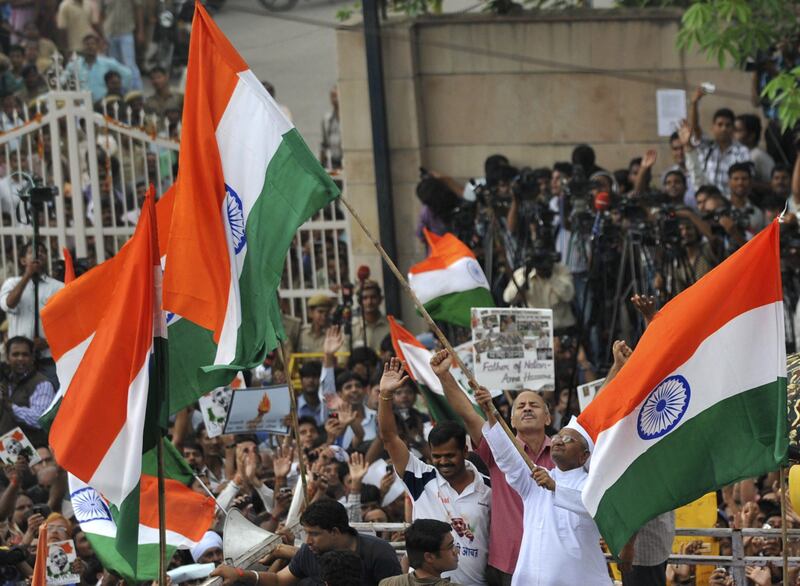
[{"x": 101, "y": 162}]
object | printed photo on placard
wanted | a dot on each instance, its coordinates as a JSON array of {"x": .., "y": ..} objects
[
  {"x": 587, "y": 392},
  {"x": 14, "y": 444},
  {"x": 513, "y": 348},
  {"x": 261, "y": 409},
  {"x": 60, "y": 557},
  {"x": 214, "y": 407}
]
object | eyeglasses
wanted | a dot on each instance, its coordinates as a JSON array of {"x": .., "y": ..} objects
[{"x": 564, "y": 439}]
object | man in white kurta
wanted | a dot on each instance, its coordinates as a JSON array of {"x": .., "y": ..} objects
[{"x": 560, "y": 541}]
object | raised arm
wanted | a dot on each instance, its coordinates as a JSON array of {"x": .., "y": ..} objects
[
  {"x": 441, "y": 363},
  {"x": 393, "y": 378},
  {"x": 694, "y": 116},
  {"x": 505, "y": 453},
  {"x": 645, "y": 172}
]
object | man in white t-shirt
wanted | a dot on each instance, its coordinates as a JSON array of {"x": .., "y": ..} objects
[{"x": 452, "y": 490}]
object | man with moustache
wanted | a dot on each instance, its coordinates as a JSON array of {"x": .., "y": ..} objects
[
  {"x": 529, "y": 417},
  {"x": 561, "y": 543}
]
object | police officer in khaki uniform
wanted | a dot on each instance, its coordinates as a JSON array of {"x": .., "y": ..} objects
[
  {"x": 312, "y": 335},
  {"x": 377, "y": 326}
]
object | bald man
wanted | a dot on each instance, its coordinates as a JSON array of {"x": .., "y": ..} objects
[{"x": 529, "y": 417}]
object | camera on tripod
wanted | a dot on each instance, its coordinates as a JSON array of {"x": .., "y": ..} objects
[
  {"x": 343, "y": 312},
  {"x": 541, "y": 258}
]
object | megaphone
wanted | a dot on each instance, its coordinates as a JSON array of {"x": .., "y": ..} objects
[{"x": 244, "y": 543}]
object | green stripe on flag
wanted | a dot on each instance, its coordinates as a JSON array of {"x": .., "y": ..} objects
[
  {"x": 127, "y": 519},
  {"x": 746, "y": 436},
  {"x": 455, "y": 308},
  {"x": 295, "y": 188},
  {"x": 147, "y": 562}
]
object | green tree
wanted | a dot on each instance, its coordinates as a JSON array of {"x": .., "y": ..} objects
[{"x": 735, "y": 31}]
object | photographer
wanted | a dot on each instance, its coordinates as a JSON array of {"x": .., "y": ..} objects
[
  {"x": 728, "y": 234},
  {"x": 740, "y": 185},
  {"x": 708, "y": 159},
  {"x": 544, "y": 283}
]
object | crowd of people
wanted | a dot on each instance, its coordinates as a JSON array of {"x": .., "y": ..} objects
[{"x": 603, "y": 249}]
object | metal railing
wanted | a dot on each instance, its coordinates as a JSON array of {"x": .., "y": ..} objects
[{"x": 101, "y": 158}]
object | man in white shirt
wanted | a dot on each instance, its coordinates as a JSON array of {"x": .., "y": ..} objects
[
  {"x": 452, "y": 490},
  {"x": 17, "y": 300},
  {"x": 560, "y": 541}
]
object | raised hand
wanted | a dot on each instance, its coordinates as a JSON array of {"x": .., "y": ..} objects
[
  {"x": 685, "y": 134},
  {"x": 358, "y": 467},
  {"x": 441, "y": 362},
  {"x": 334, "y": 428},
  {"x": 393, "y": 377},
  {"x": 646, "y": 305},
  {"x": 649, "y": 158},
  {"x": 282, "y": 461},
  {"x": 334, "y": 340},
  {"x": 484, "y": 399},
  {"x": 621, "y": 352}
]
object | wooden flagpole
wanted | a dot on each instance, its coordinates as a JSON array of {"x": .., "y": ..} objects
[
  {"x": 295, "y": 422},
  {"x": 434, "y": 328},
  {"x": 784, "y": 520},
  {"x": 162, "y": 513}
]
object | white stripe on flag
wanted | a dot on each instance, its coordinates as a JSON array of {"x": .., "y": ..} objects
[
  {"x": 418, "y": 361},
  {"x": 248, "y": 135},
  {"x": 67, "y": 365},
  {"x": 119, "y": 471},
  {"x": 739, "y": 356},
  {"x": 463, "y": 275}
]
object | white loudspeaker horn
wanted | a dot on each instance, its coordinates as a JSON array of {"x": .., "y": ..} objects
[{"x": 243, "y": 544}]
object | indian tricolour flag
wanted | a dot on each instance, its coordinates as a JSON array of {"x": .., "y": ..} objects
[
  {"x": 189, "y": 515},
  {"x": 417, "y": 359},
  {"x": 109, "y": 412},
  {"x": 247, "y": 182},
  {"x": 450, "y": 281},
  {"x": 700, "y": 404}
]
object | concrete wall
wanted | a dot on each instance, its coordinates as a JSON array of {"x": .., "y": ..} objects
[{"x": 460, "y": 88}]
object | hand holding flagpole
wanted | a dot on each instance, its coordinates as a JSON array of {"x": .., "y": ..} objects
[{"x": 434, "y": 328}]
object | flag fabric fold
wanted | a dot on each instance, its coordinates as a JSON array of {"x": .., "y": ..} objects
[
  {"x": 247, "y": 182},
  {"x": 701, "y": 402},
  {"x": 189, "y": 515},
  {"x": 98, "y": 431},
  {"x": 417, "y": 359},
  {"x": 450, "y": 281}
]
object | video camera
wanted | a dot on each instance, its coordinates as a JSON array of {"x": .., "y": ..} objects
[{"x": 541, "y": 258}]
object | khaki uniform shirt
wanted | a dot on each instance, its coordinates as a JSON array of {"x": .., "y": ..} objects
[
  {"x": 376, "y": 332},
  {"x": 309, "y": 341},
  {"x": 155, "y": 104},
  {"x": 291, "y": 325}
]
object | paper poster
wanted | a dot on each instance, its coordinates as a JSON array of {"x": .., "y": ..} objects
[
  {"x": 14, "y": 444},
  {"x": 214, "y": 407},
  {"x": 60, "y": 556},
  {"x": 588, "y": 392},
  {"x": 671, "y": 109},
  {"x": 261, "y": 409},
  {"x": 464, "y": 352},
  {"x": 513, "y": 348}
]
